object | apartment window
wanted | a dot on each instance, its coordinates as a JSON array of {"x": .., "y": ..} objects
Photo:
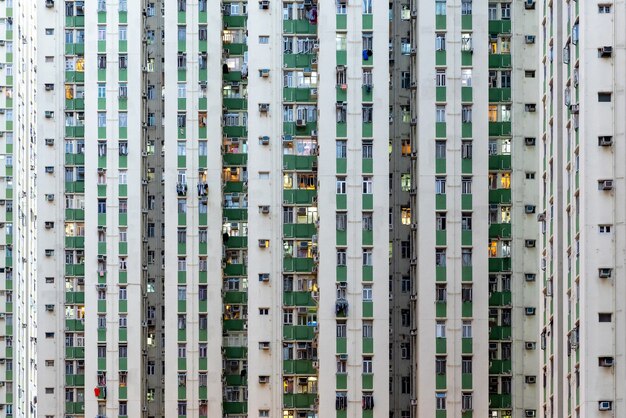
[
  {"x": 466, "y": 114},
  {"x": 440, "y": 150},
  {"x": 123, "y": 61},
  {"x": 440, "y": 364},
  {"x": 440, "y": 42},
  {"x": 405, "y": 284},
  {"x": 440, "y": 257},
  {"x": 405, "y": 76},
  {"x": 440, "y": 7},
  {"x": 466, "y": 7},
  {"x": 440, "y": 78},
  {"x": 604, "y": 8},
  {"x": 466, "y": 401},
  {"x": 440, "y": 293},
  {"x": 440, "y": 185},
  {"x": 367, "y": 6},
  {"x": 466, "y": 185},
  {"x": 440, "y": 401},
  {"x": 123, "y": 351},
  {"x": 466, "y": 292},
  {"x": 341, "y": 257},
  {"x": 264, "y": 311},
  {"x": 405, "y": 249},
  {"x": 604, "y": 229},
  {"x": 341, "y": 221},
  {"x": 368, "y": 329},
  {"x": 367, "y": 113},
  {"x": 466, "y": 365},
  {"x": 440, "y": 113},
  {"x": 368, "y": 365},
  {"x": 604, "y": 317},
  {"x": 466, "y": 257},
  {"x": 123, "y": 408},
  {"x": 367, "y": 257},
  {"x": 367, "y": 221},
  {"x": 341, "y": 148},
  {"x": 440, "y": 218},
  {"x": 440, "y": 329},
  {"x": 367, "y": 185},
  {"x": 466, "y": 77},
  {"x": 342, "y": 330},
  {"x": 466, "y": 149},
  {"x": 505, "y": 11},
  {"x": 466, "y": 42},
  {"x": 123, "y": 293},
  {"x": 466, "y": 329},
  {"x": 367, "y": 292},
  {"x": 102, "y": 61},
  {"x": 367, "y": 151},
  {"x": 341, "y": 185},
  {"x": 123, "y": 321}
]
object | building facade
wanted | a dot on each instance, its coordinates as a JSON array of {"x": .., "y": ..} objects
[
  {"x": 203, "y": 253},
  {"x": 581, "y": 216}
]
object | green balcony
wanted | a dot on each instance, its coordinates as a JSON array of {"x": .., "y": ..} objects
[
  {"x": 232, "y": 408},
  {"x": 440, "y": 345},
  {"x": 298, "y": 367},
  {"x": 299, "y": 400},
  {"x": 234, "y": 187},
  {"x": 235, "y": 103},
  {"x": 440, "y": 94},
  {"x": 341, "y": 129},
  {"x": 466, "y": 22},
  {"x": 440, "y": 273},
  {"x": 500, "y": 230},
  {"x": 235, "y": 270},
  {"x": 74, "y": 325},
  {"x": 466, "y": 345},
  {"x": 499, "y": 26},
  {"x": 500, "y": 61},
  {"x": 298, "y": 299},
  {"x": 233, "y": 324},
  {"x": 299, "y": 162},
  {"x": 440, "y": 381},
  {"x": 466, "y": 309},
  {"x": 500, "y": 162},
  {"x": 235, "y": 214},
  {"x": 342, "y": 57},
  {"x": 298, "y": 332},
  {"x": 440, "y": 22},
  {"x": 74, "y": 379},
  {"x": 302, "y": 129},
  {"x": 499, "y": 401},
  {"x": 235, "y": 352},
  {"x": 342, "y": 21},
  {"x": 236, "y": 49},
  {"x": 75, "y": 297},
  {"x": 342, "y": 93},
  {"x": 74, "y": 269},
  {"x": 441, "y": 309},
  {"x": 298, "y": 264},
  {"x": 500, "y": 299},
  {"x": 232, "y": 76},
  {"x": 299, "y": 196},
  {"x": 234, "y": 21},
  {"x": 440, "y": 57},
  {"x": 367, "y": 237},
  {"x": 499, "y": 264},
  {"x": 367, "y": 165},
  {"x": 499, "y": 366},
  {"x": 75, "y": 187},
  {"x": 299, "y": 230},
  {"x": 440, "y": 129},
  {"x": 440, "y": 165},
  {"x": 500, "y": 94},
  {"x": 440, "y": 237},
  {"x": 299, "y": 60},
  {"x": 231, "y": 243},
  {"x": 498, "y": 196},
  {"x": 500, "y": 333},
  {"x": 74, "y": 242},
  {"x": 236, "y": 297},
  {"x": 440, "y": 201}
]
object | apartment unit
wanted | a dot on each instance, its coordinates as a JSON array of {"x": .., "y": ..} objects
[
  {"x": 18, "y": 229},
  {"x": 201, "y": 181},
  {"x": 581, "y": 213},
  {"x": 473, "y": 308}
]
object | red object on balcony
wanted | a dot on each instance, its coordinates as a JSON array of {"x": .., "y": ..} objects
[{"x": 96, "y": 391}]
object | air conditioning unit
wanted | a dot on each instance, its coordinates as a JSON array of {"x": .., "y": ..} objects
[
  {"x": 264, "y": 345},
  {"x": 49, "y": 253},
  {"x": 530, "y": 39},
  {"x": 605, "y": 141},
  {"x": 264, "y": 4},
  {"x": 49, "y": 3},
  {"x": 530, "y": 141},
  {"x": 264, "y": 107},
  {"x": 530, "y": 277},
  {"x": 313, "y": 92},
  {"x": 529, "y": 4},
  {"x": 49, "y": 87},
  {"x": 529, "y": 208},
  {"x": 529, "y": 311},
  {"x": 605, "y": 405},
  {"x": 605, "y": 272},
  {"x": 49, "y": 169},
  {"x": 265, "y": 209},
  {"x": 49, "y": 308},
  {"x": 264, "y": 277},
  {"x": 606, "y": 362},
  {"x": 48, "y": 113},
  {"x": 49, "y": 141},
  {"x": 300, "y": 122},
  {"x": 529, "y": 243},
  {"x": 49, "y": 197},
  {"x": 605, "y": 184},
  {"x": 530, "y": 107},
  {"x": 343, "y": 357},
  {"x": 49, "y": 225},
  {"x": 531, "y": 379},
  {"x": 605, "y": 51},
  {"x": 530, "y": 413},
  {"x": 264, "y": 140},
  {"x": 530, "y": 345}
]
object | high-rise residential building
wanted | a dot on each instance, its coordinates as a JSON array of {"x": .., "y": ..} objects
[
  {"x": 473, "y": 208},
  {"x": 582, "y": 214},
  {"x": 201, "y": 250},
  {"x": 18, "y": 229}
]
